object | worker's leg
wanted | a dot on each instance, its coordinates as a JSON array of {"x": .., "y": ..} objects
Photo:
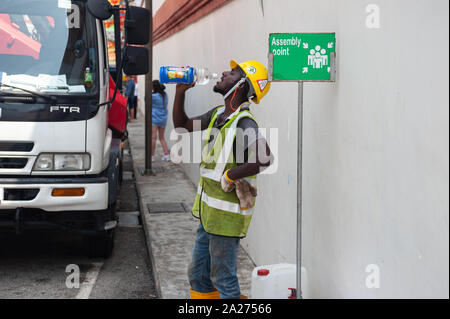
[
  {"x": 223, "y": 251},
  {"x": 200, "y": 267}
]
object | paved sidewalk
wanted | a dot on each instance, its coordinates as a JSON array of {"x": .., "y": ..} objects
[{"x": 165, "y": 202}]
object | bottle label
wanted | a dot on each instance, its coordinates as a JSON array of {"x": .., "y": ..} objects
[
  {"x": 175, "y": 75},
  {"x": 88, "y": 79},
  {"x": 170, "y": 74}
]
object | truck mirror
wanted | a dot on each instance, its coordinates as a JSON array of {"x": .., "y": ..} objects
[
  {"x": 135, "y": 61},
  {"x": 100, "y": 9},
  {"x": 138, "y": 26}
]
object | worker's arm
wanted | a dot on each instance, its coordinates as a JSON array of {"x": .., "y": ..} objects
[
  {"x": 259, "y": 158},
  {"x": 180, "y": 119}
]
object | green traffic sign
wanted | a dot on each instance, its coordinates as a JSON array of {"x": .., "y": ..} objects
[{"x": 302, "y": 56}]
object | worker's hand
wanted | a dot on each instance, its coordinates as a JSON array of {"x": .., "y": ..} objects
[
  {"x": 227, "y": 185},
  {"x": 246, "y": 193},
  {"x": 182, "y": 87}
]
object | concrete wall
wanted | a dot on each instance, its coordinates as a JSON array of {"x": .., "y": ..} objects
[{"x": 375, "y": 183}]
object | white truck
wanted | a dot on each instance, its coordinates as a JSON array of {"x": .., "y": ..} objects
[{"x": 60, "y": 163}]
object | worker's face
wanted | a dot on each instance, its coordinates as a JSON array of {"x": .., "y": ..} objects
[{"x": 227, "y": 81}]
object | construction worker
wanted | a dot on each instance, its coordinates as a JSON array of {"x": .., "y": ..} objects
[{"x": 227, "y": 189}]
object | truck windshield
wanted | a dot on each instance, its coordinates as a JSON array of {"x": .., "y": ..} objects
[{"x": 47, "y": 46}]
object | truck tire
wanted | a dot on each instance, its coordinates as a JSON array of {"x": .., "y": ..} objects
[
  {"x": 120, "y": 173},
  {"x": 102, "y": 245}
]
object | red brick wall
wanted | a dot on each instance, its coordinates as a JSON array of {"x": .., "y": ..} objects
[{"x": 175, "y": 15}]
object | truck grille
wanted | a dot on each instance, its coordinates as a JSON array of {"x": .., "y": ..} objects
[
  {"x": 14, "y": 163},
  {"x": 16, "y": 146}
]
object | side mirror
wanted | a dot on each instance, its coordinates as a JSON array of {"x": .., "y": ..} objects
[
  {"x": 138, "y": 26},
  {"x": 135, "y": 61},
  {"x": 100, "y": 9}
]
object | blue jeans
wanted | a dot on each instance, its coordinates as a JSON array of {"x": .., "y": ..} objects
[{"x": 214, "y": 265}]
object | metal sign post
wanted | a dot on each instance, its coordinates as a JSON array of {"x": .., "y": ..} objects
[
  {"x": 148, "y": 99},
  {"x": 299, "y": 188},
  {"x": 301, "y": 57},
  {"x": 118, "y": 47}
]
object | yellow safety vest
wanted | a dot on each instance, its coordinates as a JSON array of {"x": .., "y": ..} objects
[{"x": 220, "y": 212}]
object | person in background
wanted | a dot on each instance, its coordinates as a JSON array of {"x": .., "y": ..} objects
[
  {"x": 129, "y": 94},
  {"x": 136, "y": 98},
  {"x": 159, "y": 118}
]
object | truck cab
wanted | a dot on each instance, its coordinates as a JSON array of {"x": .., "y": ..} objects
[{"x": 60, "y": 163}]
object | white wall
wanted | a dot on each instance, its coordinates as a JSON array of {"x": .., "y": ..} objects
[
  {"x": 375, "y": 185},
  {"x": 156, "y": 4}
]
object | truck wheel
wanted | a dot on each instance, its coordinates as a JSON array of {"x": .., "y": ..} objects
[
  {"x": 101, "y": 245},
  {"x": 120, "y": 174}
]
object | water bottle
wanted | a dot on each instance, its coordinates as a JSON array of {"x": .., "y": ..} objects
[
  {"x": 88, "y": 79},
  {"x": 187, "y": 75}
]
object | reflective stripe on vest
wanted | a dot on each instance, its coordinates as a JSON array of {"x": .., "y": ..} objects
[{"x": 222, "y": 204}]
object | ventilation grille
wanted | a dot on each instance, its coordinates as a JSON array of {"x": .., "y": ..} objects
[
  {"x": 13, "y": 163},
  {"x": 16, "y": 146}
]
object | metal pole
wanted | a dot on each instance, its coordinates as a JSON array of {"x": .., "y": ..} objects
[
  {"x": 148, "y": 97},
  {"x": 118, "y": 47},
  {"x": 299, "y": 189}
]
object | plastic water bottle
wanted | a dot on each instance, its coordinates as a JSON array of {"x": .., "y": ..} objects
[
  {"x": 187, "y": 75},
  {"x": 88, "y": 80}
]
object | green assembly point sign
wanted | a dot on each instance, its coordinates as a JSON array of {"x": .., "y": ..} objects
[{"x": 302, "y": 56}]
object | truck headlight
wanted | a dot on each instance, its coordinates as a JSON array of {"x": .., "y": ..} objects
[
  {"x": 44, "y": 163},
  {"x": 63, "y": 162},
  {"x": 72, "y": 162}
]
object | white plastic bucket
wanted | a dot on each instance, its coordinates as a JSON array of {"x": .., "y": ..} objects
[{"x": 276, "y": 282}]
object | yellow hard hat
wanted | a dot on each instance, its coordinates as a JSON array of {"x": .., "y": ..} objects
[{"x": 258, "y": 76}]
